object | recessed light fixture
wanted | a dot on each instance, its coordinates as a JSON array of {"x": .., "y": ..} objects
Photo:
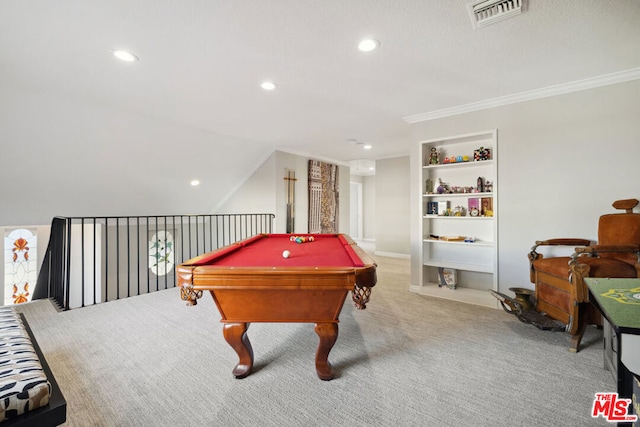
[
  {"x": 268, "y": 85},
  {"x": 123, "y": 55},
  {"x": 195, "y": 182},
  {"x": 367, "y": 45},
  {"x": 367, "y": 146}
]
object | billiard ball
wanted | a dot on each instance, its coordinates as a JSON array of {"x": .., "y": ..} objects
[{"x": 286, "y": 254}]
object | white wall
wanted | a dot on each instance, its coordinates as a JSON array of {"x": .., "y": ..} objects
[
  {"x": 265, "y": 191},
  {"x": 392, "y": 206},
  {"x": 61, "y": 155},
  {"x": 369, "y": 202},
  {"x": 256, "y": 194},
  {"x": 562, "y": 161},
  {"x": 299, "y": 164}
]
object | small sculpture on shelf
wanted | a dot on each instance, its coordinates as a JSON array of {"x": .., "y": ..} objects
[
  {"x": 482, "y": 154},
  {"x": 459, "y": 211},
  {"x": 480, "y": 185},
  {"x": 434, "y": 157},
  {"x": 442, "y": 187},
  {"x": 488, "y": 187},
  {"x": 429, "y": 186}
]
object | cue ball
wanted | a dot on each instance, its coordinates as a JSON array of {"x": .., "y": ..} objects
[{"x": 286, "y": 254}]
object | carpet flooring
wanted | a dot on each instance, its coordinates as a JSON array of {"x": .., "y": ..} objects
[{"x": 407, "y": 360}]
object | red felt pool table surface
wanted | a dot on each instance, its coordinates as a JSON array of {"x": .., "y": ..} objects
[
  {"x": 266, "y": 250},
  {"x": 250, "y": 281}
]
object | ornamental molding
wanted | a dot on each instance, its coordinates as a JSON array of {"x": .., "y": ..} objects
[{"x": 575, "y": 86}]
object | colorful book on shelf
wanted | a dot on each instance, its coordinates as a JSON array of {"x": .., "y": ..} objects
[
  {"x": 474, "y": 206},
  {"x": 447, "y": 277},
  {"x": 443, "y": 207},
  {"x": 486, "y": 206},
  {"x": 432, "y": 208}
]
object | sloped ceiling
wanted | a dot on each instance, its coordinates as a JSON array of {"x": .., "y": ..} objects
[{"x": 85, "y": 134}]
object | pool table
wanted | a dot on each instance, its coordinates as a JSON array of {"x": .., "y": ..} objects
[{"x": 253, "y": 281}]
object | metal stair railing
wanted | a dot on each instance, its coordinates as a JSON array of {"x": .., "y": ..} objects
[{"x": 90, "y": 260}]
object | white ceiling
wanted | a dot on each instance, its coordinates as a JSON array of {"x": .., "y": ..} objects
[
  {"x": 82, "y": 133},
  {"x": 202, "y": 61}
]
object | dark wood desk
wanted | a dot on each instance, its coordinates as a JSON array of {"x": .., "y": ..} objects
[{"x": 251, "y": 281}]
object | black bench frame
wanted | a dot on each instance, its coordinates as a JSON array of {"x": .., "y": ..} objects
[{"x": 52, "y": 414}]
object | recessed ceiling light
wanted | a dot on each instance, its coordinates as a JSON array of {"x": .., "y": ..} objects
[
  {"x": 268, "y": 85},
  {"x": 195, "y": 182},
  {"x": 367, "y": 147},
  {"x": 123, "y": 55},
  {"x": 367, "y": 45}
]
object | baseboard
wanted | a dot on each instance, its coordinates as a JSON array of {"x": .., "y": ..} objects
[{"x": 392, "y": 255}]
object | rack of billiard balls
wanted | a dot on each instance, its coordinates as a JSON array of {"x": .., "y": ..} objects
[
  {"x": 297, "y": 239},
  {"x": 301, "y": 239}
]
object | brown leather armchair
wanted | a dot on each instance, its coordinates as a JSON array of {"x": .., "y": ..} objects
[{"x": 560, "y": 291}]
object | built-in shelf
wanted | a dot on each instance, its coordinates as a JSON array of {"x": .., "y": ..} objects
[
  {"x": 475, "y": 263},
  {"x": 469, "y": 164},
  {"x": 454, "y": 242},
  {"x": 458, "y": 195},
  {"x": 474, "y": 218},
  {"x": 459, "y": 265},
  {"x": 466, "y": 295}
]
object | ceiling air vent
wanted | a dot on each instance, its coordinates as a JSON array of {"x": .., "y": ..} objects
[{"x": 486, "y": 12}]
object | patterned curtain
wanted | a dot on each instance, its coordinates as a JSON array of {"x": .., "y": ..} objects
[{"x": 323, "y": 197}]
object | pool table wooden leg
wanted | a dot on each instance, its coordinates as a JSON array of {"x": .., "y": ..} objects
[
  {"x": 236, "y": 336},
  {"x": 328, "y": 333}
]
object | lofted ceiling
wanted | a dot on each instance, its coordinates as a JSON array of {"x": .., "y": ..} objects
[{"x": 201, "y": 62}]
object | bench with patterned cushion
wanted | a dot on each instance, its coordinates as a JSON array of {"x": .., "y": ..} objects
[{"x": 25, "y": 386}]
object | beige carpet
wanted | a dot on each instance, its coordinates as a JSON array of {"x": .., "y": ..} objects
[{"x": 408, "y": 360}]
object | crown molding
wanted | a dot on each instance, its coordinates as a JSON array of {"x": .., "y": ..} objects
[{"x": 575, "y": 86}]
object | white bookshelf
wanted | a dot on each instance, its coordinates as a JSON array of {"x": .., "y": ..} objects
[{"x": 440, "y": 234}]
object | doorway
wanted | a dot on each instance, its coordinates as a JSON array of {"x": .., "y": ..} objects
[{"x": 356, "y": 227}]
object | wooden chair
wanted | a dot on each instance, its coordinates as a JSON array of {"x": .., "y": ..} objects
[{"x": 560, "y": 291}]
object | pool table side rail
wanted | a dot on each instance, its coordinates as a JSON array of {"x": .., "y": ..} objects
[{"x": 360, "y": 279}]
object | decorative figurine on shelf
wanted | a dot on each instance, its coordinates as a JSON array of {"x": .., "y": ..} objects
[
  {"x": 488, "y": 187},
  {"x": 459, "y": 211},
  {"x": 434, "y": 157},
  {"x": 480, "y": 186},
  {"x": 482, "y": 154},
  {"x": 429, "y": 186},
  {"x": 442, "y": 187},
  {"x": 459, "y": 159}
]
